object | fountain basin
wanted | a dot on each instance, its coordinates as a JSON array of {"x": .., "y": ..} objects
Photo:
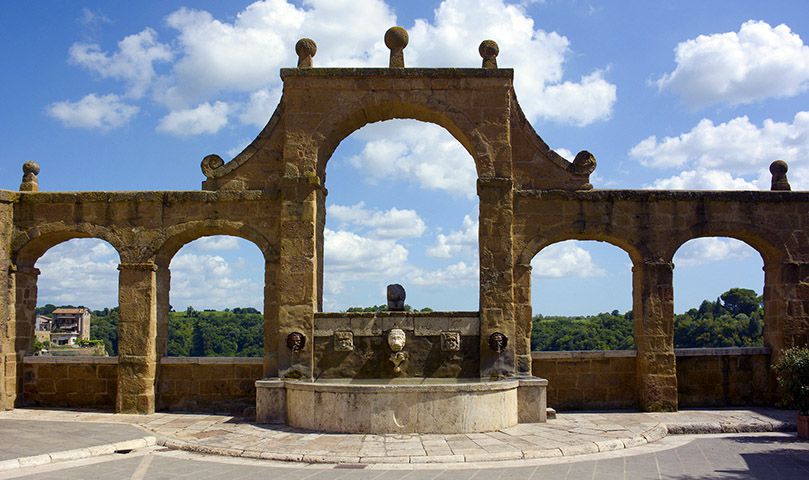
[{"x": 405, "y": 405}]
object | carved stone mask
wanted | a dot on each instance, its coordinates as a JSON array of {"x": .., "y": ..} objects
[
  {"x": 396, "y": 339},
  {"x": 498, "y": 342},
  {"x": 296, "y": 341}
]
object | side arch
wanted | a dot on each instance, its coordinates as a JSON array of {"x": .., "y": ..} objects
[
  {"x": 761, "y": 240},
  {"x": 177, "y": 236},
  {"x": 28, "y": 245},
  {"x": 541, "y": 241}
]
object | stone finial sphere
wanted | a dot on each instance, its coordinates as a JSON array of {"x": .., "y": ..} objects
[
  {"x": 779, "y": 167},
  {"x": 396, "y": 37},
  {"x": 306, "y": 47},
  {"x": 30, "y": 167},
  {"x": 488, "y": 49}
]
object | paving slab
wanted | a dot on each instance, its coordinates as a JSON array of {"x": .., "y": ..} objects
[{"x": 570, "y": 434}]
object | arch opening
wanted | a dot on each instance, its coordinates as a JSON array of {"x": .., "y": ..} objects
[
  {"x": 76, "y": 297},
  {"x": 370, "y": 237},
  {"x": 214, "y": 302},
  {"x": 581, "y": 297},
  {"x": 718, "y": 294}
]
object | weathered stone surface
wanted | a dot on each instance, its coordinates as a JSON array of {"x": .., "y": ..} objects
[
  {"x": 273, "y": 194},
  {"x": 402, "y": 406}
]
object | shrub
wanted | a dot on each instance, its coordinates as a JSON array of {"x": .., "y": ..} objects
[{"x": 793, "y": 377}]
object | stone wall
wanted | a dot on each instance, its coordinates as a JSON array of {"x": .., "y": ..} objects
[
  {"x": 723, "y": 377},
  {"x": 370, "y": 354},
  {"x": 588, "y": 380},
  {"x": 706, "y": 377},
  {"x": 209, "y": 384},
  {"x": 74, "y": 382}
]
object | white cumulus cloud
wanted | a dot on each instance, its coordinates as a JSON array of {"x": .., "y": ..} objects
[
  {"x": 102, "y": 112},
  {"x": 565, "y": 259},
  {"x": 133, "y": 62},
  {"x": 454, "y": 276},
  {"x": 422, "y": 153},
  {"x": 538, "y": 57},
  {"x": 703, "y": 179},
  {"x": 711, "y": 249},
  {"x": 390, "y": 224},
  {"x": 79, "y": 272},
  {"x": 757, "y": 62},
  {"x": 460, "y": 241},
  {"x": 210, "y": 281},
  {"x": 347, "y": 251},
  {"x": 731, "y": 155},
  {"x": 205, "y": 118}
]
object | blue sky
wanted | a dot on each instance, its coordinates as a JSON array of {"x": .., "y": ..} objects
[{"x": 679, "y": 95}]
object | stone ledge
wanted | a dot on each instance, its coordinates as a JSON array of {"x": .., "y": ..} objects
[
  {"x": 584, "y": 354},
  {"x": 679, "y": 352},
  {"x": 77, "y": 360},
  {"x": 742, "y": 196},
  {"x": 718, "y": 352},
  {"x": 211, "y": 360},
  {"x": 403, "y": 73}
]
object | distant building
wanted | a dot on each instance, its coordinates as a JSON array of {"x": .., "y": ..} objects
[
  {"x": 42, "y": 328},
  {"x": 70, "y": 325}
]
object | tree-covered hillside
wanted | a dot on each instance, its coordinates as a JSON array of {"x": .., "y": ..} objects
[{"x": 735, "y": 319}]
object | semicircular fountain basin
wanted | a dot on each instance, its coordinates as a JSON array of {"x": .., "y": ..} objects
[{"x": 407, "y": 405}]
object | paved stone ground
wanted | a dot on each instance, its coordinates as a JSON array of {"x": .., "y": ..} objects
[
  {"x": 689, "y": 457},
  {"x": 21, "y": 438},
  {"x": 568, "y": 435}
]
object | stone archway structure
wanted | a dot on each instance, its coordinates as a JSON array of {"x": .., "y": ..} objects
[{"x": 273, "y": 194}]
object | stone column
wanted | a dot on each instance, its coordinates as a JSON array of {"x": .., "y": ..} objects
[
  {"x": 8, "y": 360},
  {"x": 22, "y": 332},
  {"x": 8, "y": 375},
  {"x": 653, "y": 311},
  {"x": 522, "y": 314},
  {"x": 297, "y": 274},
  {"x": 271, "y": 336},
  {"x": 137, "y": 338},
  {"x": 786, "y": 306},
  {"x": 496, "y": 275},
  {"x": 163, "y": 288}
]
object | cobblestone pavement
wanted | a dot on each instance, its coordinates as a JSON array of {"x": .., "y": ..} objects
[
  {"x": 687, "y": 457},
  {"x": 565, "y": 436}
]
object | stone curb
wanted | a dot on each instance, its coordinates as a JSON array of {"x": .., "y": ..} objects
[
  {"x": 78, "y": 453},
  {"x": 655, "y": 433},
  {"x": 651, "y": 435}
]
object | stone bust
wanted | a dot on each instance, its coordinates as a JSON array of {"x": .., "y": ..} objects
[
  {"x": 396, "y": 298},
  {"x": 396, "y": 339}
]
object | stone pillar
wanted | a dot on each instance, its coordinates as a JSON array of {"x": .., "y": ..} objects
[
  {"x": 8, "y": 359},
  {"x": 522, "y": 314},
  {"x": 25, "y": 280},
  {"x": 297, "y": 274},
  {"x": 137, "y": 338},
  {"x": 8, "y": 362},
  {"x": 271, "y": 336},
  {"x": 321, "y": 227},
  {"x": 653, "y": 311},
  {"x": 786, "y": 306},
  {"x": 163, "y": 288},
  {"x": 496, "y": 276}
]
